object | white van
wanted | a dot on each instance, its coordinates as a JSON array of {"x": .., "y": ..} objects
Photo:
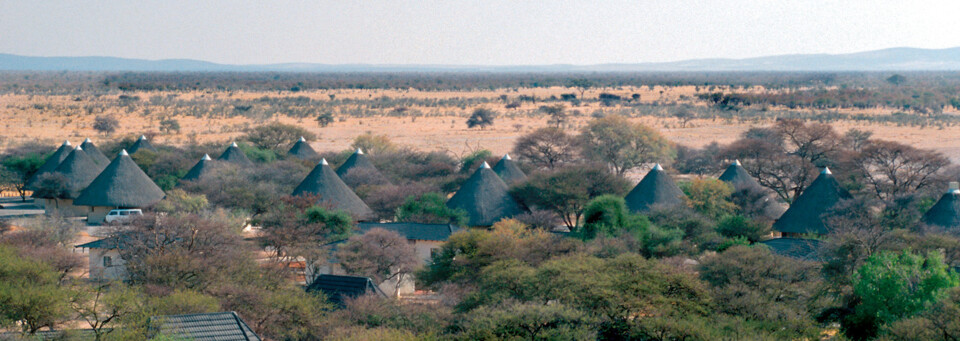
[{"x": 122, "y": 215}]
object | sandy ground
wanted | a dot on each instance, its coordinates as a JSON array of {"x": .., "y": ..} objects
[{"x": 51, "y": 119}]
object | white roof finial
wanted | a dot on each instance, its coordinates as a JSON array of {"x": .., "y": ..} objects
[
  {"x": 323, "y": 161},
  {"x": 78, "y": 148},
  {"x": 736, "y": 162},
  {"x": 506, "y": 157},
  {"x": 124, "y": 152},
  {"x": 206, "y": 157},
  {"x": 67, "y": 143},
  {"x": 233, "y": 144},
  {"x": 359, "y": 151},
  {"x": 87, "y": 140},
  {"x": 143, "y": 137},
  {"x": 826, "y": 170},
  {"x": 485, "y": 165},
  {"x": 657, "y": 167},
  {"x": 954, "y": 187},
  {"x": 302, "y": 139}
]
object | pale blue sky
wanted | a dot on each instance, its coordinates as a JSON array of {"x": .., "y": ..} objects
[{"x": 469, "y": 32}]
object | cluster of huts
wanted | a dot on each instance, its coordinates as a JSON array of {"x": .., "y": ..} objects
[{"x": 96, "y": 185}]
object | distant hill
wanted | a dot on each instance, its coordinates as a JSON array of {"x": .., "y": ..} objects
[{"x": 894, "y": 59}]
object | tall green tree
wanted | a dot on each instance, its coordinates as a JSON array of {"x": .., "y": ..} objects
[
  {"x": 567, "y": 190},
  {"x": 18, "y": 169},
  {"x": 892, "y": 286},
  {"x": 30, "y": 294},
  {"x": 623, "y": 145},
  {"x": 430, "y": 208}
]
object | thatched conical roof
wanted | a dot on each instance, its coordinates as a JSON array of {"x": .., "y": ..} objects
[
  {"x": 805, "y": 214},
  {"x": 946, "y": 212},
  {"x": 358, "y": 160},
  {"x": 302, "y": 150},
  {"x": 324, "y": 181},
  {"x": 121, "y": 184},
  {"x": 485, "y": 197},
  {"x": 141, "y": 144},
  {"x": 737, "y": 176},
  {"x": 234, "y": 155},
  {"x": 199, "y": 169},
  {"x": 50, "y": 164},
  {"x": 94, "y": 152},
  {"x": 656, "y": 190},
  {"x": 79, "y": 169},
  {"x": 508, "y": 170}
]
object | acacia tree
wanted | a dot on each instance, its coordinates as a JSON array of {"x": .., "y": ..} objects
[
  {"x": 547, "y": 147},
  {"x": 31, "y": 294},
  {"x": 785, "y": 157},
  {"x": 892, "y": 169},
  {"x": 567, "y": 191},
  {"x": 557, "y": 113},
  {"x": 623, "y": 145},
  {"x": 274, "y": 135},
  {"x": 481, "y": 117},
  {"x": 295, "y": 229},
  {"x": 582, "y": 85},
  {"x": 18, "y": 169},
  {"x": 103, "y": 304},
  {"x": 381, "y": 255}
]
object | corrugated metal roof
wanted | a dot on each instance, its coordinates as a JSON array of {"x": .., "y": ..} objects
[{"x": 223, "y": 326}]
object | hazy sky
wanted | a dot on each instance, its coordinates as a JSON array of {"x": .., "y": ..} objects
[{"x": 469, "y": 32}]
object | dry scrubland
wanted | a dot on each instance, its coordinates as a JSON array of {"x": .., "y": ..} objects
[{"x": 439, "y": 125}]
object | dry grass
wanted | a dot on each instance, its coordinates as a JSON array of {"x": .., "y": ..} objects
[{"x": 51, "y": 119}]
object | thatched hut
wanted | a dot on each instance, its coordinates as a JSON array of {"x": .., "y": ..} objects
[
  {"x": 234, "y": 155},
  {"x": 333, "y": 192},
  {"x": 508, "y": 170},
  {"x": 94, "y": 152},
  {"x": 78, "y": 170},
  {"x": 485, "y": 197},
  {"x": 199, "y": 170},
  {"x": 121, "y": 185},
  {"x": 806, "y": 214},
  {"x": 302, "y": 150},
  {"x": 946, "y": 212},
  {"x": 141, "y": 144},
  {"x": 656, "y": 190},
  {"x": 358, "y": 163},
  {"x": 50, "y": 164}
]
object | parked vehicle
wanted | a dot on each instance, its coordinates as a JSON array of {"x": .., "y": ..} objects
[{"x": 122, "y": 215}]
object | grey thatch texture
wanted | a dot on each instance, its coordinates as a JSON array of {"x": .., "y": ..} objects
[
  {"x": 223, "y": 326},
  {"x": 199, "y": 170},
  {"x": 485, "y": 197},
  {"x": 806, "y": 213},
  {"x": 323, "y": 181},
  {"x": 234, "y": 155},
  {"x": 655, "y": 191},
  {"x": 94, "y": 152},
  {"x": 508, "y": 170},
  {"x": 737, "y": 176},
  {"x": 121, "y": 184},
  {"x": 359, "y": 160},
  {"x": 946, "y": 212},
  {"x": 50, "y": 164},
  {"x": 79, "y": 169},
  {"x": 141, "y": 144},
  {"x": 302, "y": 150}
]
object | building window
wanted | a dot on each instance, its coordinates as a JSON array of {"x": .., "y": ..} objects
[{"x": 107, "y": 261}]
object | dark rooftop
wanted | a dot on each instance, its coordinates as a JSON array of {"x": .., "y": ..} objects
[
  {"x": 415, "y": 231},
  {"x": 223, "y": 326}
]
